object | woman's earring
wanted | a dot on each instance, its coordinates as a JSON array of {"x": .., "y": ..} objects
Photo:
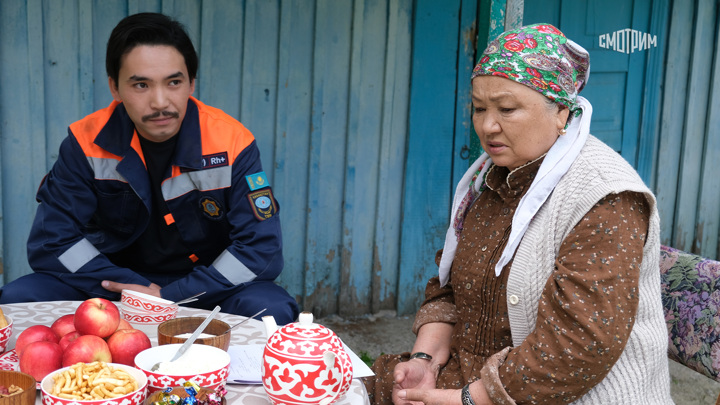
[{"x": 563, "y": 132}]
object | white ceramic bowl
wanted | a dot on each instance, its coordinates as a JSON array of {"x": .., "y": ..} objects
[
  {"x": 206, "y": 366},
  {"x": 147, "y": 303},
  {"x": 136, "y": 397}
]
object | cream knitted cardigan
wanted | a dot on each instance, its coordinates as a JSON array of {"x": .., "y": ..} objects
[{"x": 641, "y": 374}]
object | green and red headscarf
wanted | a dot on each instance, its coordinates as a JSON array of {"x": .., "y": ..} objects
[{"x": 540, "y": 57}]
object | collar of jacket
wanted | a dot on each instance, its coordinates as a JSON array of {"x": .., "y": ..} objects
[{"x": 117, "y": 136}]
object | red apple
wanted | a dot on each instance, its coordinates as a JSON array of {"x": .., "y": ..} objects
[
  {"x": 86, "y": 349},
  {"x": 125, "y": 344},
  {"x": 68, "y": 338},
  {"x": 63, "y": 325},
  {"x": 97, "y": 316},
  {"x": 124, "y": 324},
  {"x": 41, "y": 358},
  {"x": 34, "y": 333}
]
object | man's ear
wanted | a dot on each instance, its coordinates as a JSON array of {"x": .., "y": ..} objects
[{"x": 114, "y": 89}]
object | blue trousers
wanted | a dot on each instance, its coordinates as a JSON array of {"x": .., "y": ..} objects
[{"x": 245, "y": 299}]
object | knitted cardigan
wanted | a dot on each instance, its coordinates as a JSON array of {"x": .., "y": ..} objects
[{"x": 640, "y": 376}]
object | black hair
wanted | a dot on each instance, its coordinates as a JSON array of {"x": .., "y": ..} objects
[{"x": 148, "y": 29}]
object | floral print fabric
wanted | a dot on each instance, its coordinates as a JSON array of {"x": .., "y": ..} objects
[
  {"x": 541, "y": 57},
  {"x": 691, "y": 298}
]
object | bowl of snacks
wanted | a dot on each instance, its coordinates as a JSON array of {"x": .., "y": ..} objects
[
  {"x": 16, "y": 388},
  {"x": 206, "y": 366},
  {"x": 106, "y": 384},
  {"x": 176, "y": 395},
  {"x": 216, "y": 333},
  {"x": 146, "y": 303}
]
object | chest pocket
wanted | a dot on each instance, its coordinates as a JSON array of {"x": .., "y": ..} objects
[{"x": 118, "y": 208}]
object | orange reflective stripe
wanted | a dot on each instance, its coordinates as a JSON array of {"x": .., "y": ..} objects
[
  {"x": 194, "y": 258},
  {"x": 169, "y": 219}
]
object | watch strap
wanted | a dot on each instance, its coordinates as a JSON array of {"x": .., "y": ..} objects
[
  {"x": 420, "y": 355},
  {"x": 465, "y": 396}
]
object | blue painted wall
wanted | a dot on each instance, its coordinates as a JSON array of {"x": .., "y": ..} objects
[
  {"x": 362, "y": 114},
  {"x": 324, "y": 85}
]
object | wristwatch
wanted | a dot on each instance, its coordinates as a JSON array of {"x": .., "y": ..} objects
[
  {"x": 420, "y": 355},
  {"x": 465, "y": 396}
]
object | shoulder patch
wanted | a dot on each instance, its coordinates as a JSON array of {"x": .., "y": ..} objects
[
  {"x": 262, "y": 204},
  {"x": 257, "y": 180}
]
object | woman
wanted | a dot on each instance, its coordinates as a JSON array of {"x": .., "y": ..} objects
[{"x": 548, "y": 289}]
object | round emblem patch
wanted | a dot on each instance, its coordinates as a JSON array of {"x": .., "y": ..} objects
[
  {"x": 211, "y": 208},
  {"x": 263, "y": 202}
]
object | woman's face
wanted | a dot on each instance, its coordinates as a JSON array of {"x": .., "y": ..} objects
[{"x": 515, "y": 123}]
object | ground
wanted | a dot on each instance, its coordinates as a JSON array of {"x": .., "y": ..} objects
[{"x": 387, "y": 333}]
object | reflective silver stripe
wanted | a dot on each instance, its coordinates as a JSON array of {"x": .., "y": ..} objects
[
  {"x": 210, "y": 179},
  {"x": 105, "y": 169},
  {"x": 78, "y": 255},
  {"x": 233, "y": 269}
]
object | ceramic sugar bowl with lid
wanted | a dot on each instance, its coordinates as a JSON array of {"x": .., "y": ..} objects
[{"x": 304, "y": 363}]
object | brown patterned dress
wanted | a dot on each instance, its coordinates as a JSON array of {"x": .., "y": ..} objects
[{"x": 573, "y": 346}]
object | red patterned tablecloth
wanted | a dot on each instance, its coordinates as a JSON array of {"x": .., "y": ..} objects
[{"x": 251, "y": 332}]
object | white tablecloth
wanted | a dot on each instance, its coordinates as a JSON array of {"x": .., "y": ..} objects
[{"x": 252, "y": 332}]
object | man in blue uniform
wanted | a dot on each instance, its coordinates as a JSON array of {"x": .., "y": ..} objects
[{"x": 157, "y": 193}]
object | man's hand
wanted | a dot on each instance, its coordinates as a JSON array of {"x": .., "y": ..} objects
[
  {"x": 152, "y": 289},
  {"x": 413, "y": 375}
]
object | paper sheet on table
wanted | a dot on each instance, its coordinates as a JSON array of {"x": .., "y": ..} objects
[{"x": 246, "y": 364}]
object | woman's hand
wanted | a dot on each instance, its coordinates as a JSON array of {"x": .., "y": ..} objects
[
  {"x": 417, "y": 375},
  {"x": 429, "y": 397}
]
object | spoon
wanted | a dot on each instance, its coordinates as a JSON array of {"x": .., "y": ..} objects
[
  {"x": 245, "y": 320},
  {"x": 188, "y": 299},
  {"x": 191, "y": 339}
]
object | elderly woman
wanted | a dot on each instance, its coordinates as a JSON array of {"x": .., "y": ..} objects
[{"x": 548, "y": 289}]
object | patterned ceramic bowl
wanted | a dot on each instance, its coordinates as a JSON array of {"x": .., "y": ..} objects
[
  {"x": 5, "y": 334},
  {"x": 145, "y": 321},
  {"x": 206, "y": 366},
  {"x": 136, "y": 397},
  {"x": 147, "y": 303}
]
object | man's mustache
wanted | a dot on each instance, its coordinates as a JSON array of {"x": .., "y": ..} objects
[{"x": 157, "y": 114}]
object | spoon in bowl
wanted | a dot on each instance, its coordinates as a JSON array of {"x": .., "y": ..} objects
[
  {"x": 188, "y": 299},
  {"x": 191, "y": 339},
  {"x": 244, "y": 320}
]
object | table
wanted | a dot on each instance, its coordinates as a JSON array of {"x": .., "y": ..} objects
[{"x": 252, "y": 332}]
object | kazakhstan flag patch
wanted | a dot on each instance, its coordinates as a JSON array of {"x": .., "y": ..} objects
[{"x": 257, "y": 180}]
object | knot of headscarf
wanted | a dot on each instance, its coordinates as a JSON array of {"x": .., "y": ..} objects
[{"x": 540, "y": 57}]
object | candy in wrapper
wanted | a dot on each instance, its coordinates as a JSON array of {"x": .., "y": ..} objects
[
  {"x": 191, "y": 388},
  {"x": 167, "y": 398}
]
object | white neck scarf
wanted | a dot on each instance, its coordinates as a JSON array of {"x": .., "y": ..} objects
[{"x": 557, "y": 162}]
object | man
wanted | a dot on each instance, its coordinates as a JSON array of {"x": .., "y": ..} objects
[{"x": 157, "y": 193}]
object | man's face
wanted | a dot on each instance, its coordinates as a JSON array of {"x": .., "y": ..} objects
[{"x": 154, "y": 87}]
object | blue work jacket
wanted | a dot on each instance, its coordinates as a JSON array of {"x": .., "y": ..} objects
[{"x": 96, "y": 200}]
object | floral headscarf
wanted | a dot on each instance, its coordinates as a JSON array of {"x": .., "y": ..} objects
[{"x": 540, "y": 57}]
